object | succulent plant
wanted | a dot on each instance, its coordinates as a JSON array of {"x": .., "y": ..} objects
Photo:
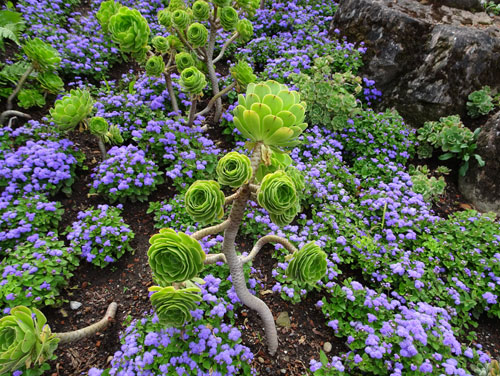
[
  {"x": 221, "y": 3},
  {"x": 184, "y": 60},
  {"x": 51, "y": 82},
  {"x": 130, "y": 30},
  {"x": 277, "y": 193},
  {"x": 106, "y": 10},
  {"x": 278, "y": 161},
  {"x": 193, "y": 81},
  {"x": 165, "y": 18},
  {"x": 197, "y": 35},
  {"x": 114, "y": 135},
  {"x": 307, "y": 265},
  {"x": 173, "y": 306},
  {"x": 201, "y": 10},
  {"x": 176, "y": 4},
  {"x": 204, "y": 201},
  {"x": 155, "y": 66},
  {"x": 174, "y": 257},
  {"x": 243, "y": 74},
  {"x": 98, "y": 126},
  {"x": 180, "y": 19},
  {"x": 175, "y": 43},
  {"x": 234, "y": 169},
  {"x": 70, "y": 110},
  {"x": 43, "y": 56},
  {"x": 245, "y": 28},
  {"x": 297, "y": 178},
  {"x": 160, "y": 44},
  {"x": 270, "y": 113},
  {"x": 25, "y": 339},
  {"x": 287, "y": 216},
  {"x": 228, "y": 18}
]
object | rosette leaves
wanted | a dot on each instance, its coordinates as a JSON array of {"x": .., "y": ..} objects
[
  {"x": 98, "y": 126},
  {"x": 165, "y": 18},
  {"x": 107, "y": 9},
  {"x": 197, "y": 35},
  {"x": 242, "y": 72},
  {"x": 114, "y": 135},
  {"x": 221, "y": 3},
  {"x": 130, "y": 30},
  {"x": 174, "y": 43},
  {"x": 50, "y": 82},
  {"x": 155, "y": 66},
  {"x": 70, "y": 110},
  {"x": 277, "y": 193},
  {"x": 25, "y": 339},
  {"x": 297, "y": 178},
  {"x": 43, "y": 56},
  {"x": 184, "y": 60},
  {"x": 173, "y": 306},
  {"x": 201, "y": 10},
  {"x": 176, "y": 4},
  {"x": 193, "y": 81},
  {"x": 270, "y": 113},
  {"x": 228, "y": 18},
  {"x": 204, "y": 201},
  {"x": 234, "y": 169},
  {"x": 245, "y": 30},
  {"x": 174, "y": 257},
  {"x": 160, "y": 44},
  {"x": 286, "y": 217},
  {"x": 308, "y": 264},
  {"x": 279, "y": 161},
  {"x": 180, "y": 19}
]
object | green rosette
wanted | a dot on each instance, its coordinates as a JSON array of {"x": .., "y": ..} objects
[
  {"x": 70, "y": 110},
  {"x": 297, "y": 177},
  {"x": 114, "y": 135},
  {"x": 174, "y": 257},
  {"x": 221, "y": 3},
  {"x": 234, "y": 169},
  {"x": 201, "y": 10},
  {"x": 42, "y": 55},
  {"x": 277, "y": 193},
  {"x": 278, "y": 161},
  {"x": 98, "y": 126},
  {"x": 107, "y": 9},
  {"x": 50, "y": 82},
  {"x": 242, "y": 72},
  {"x": 174, "y": 43},
  {"x": 272, "y": 114},
  {"x": 176, "y": 4},
  {"x": 160, "y": 44},
  {"x": 184, "y": 60},
  {"x": 155, "y": 66},
  {"x": 197, "y": 35},
  {"x": 25, "y": 340},
  {"x": 204, "y": 201},
  {"x": 193, "y": 81},
  {"x": 164, "y": 17},
  {"x": 228, "y": 18},
  {"x": 307, "y": 265},
  {"x": 180, "y": 19},
  {"x": 245, "y": 30},
  {"x": 173, "y": 306},
  {"x": 286, "y": 217},
  {"x": 130, "y": 30}
]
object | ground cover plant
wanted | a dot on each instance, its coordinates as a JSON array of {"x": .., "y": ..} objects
[{"x": 255, "y": 215}]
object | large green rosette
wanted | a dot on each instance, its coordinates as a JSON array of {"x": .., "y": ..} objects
[
  {"x": 205, "y": 201},
  {"x": 130, "y": 30},
  {"x": 43, "y": 56},
  {"x": 286, "y": 217},
  {"x": 98, "y": 126},
  {"x": 51, "y": 82},
  {"x": 173, "y": 306},
  {"x": 25, "y": 340},
  {"x": 107, "y": 9},
  {"x": 174, "y": 257},
  {"x": 197, "y": 35},
  {"x": 180, "y": 19},
  {"x": 193, "y": 81},
  {"x": 307, "y": 265},
  {"x": 234, "y": 169},
  {"x": 70, "y": 110},
  {"x": 277, "y": 193},
  {"x": 201, "y": 10},
  {"x": 228, "y": 18},
  {"x": 184, "y": 60},
  {"x": 245, "y": 30}
]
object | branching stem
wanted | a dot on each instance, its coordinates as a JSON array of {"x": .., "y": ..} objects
[
  {"x": 215, "y": 99},
  {"x": 268, "y": 239},
  {"x": 19, "y": 86},
  {"x": 8, "y": 113},
  {"x": 210, "y": 230},
  {"x": 225, "y": 46}
]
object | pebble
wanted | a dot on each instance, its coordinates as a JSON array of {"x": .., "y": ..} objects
[
  {"x": 260, "y": 359},
  {"x": 74, "y": 305},
  {"x": 327, "y": 347}
]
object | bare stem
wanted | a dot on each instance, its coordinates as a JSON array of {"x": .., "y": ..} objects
[
  {"x": 102, "y": 147},
  {"x": 192, "y": 112},
  {"x": 209, "y": 52},
  {"x": 171, "y": 93},
  {"x": 212, "y": 259},
  {"x": 268, "y": 239},
  {"x": 88, "y": 331},
  {"x": 20, "y": 84},
  {"x": 215, "y": 99},
  {"x": 225, "y": 46},
  {"x": 210, "y": 230},
  {"x": 231, "y": 198},
  {"x": 8, "y": 113}
]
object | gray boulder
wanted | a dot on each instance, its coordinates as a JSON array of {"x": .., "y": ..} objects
[
  {"x": 426, "y": 59},
  {"x": 481, "y": 185}
]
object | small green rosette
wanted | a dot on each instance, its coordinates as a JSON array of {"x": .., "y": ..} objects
[
  {"x": 173, "y": 306},
  {"x": 70, "y": 110},
  {"x": 242, "y": 72},
  {"x": 180, "y": 19},
  {"x": 160, "y": 44},
  {"x": 174, "y": 43},
  {"x": 193, "y": 81},
  {"x": 201, "y": 10},
  {"x": 234, "y": 169},
  {"x": 130, "y": 30},
  {"x": 50, "y": 82},
  {"x": 174, "y": 257},
  {"x": 176, "y": 4},
  {"x": 228, "y": 18},
  {"x": 245, "y": 30},
  {"x": 307, "y": 265},
  {"x": 43, "y": 56},
  {"x": 197, "y": 35},
  {"x": 155, "y": 66},
  {"x": 205, "y": 201},
  {"x": 183, "y": 60},
  {"x": 98, "y": 126},
  {"x": 221, "y": 3},
  {"x": 164, "y": 17},
  {"x": 277, "y": 193},
  {"x": 114, "y": 135}
]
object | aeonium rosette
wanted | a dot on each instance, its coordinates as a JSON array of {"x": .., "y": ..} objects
[
  {"x": 205, "y": 201},
  {"x": 193, "y": 81},
  {"x": 72, "y": 109},
  {"x": 307, "y": 265},
  {"x": 43, "y": 56},
  {"x": 277, "y": 193},
  {"x": 174, "y": 257},
  {"x": 155, "y": 66},
  {"x": 234, "y": 169},
  {"x": 173, "y": 306},
  {"x": 130, "y": 30}
]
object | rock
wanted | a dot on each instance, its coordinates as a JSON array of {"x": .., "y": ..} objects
[
  {"x": 260, "y": 359},
  {"x": 426, "y": 59},
  {"x": 283, "y": 320},
  {"x": 472, "y": 5},
  {"x": 481, "y": 185},
  {"x": 327, "y": 347},
  {"x": 74, "y": 305}
]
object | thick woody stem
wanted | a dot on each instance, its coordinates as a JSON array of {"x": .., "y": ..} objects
[
  {"x": 8, "y": 113},
  {"x": 268, "y": 239},
  {"x": 215, "y": 99},
  {"x": 254, "y": 188},
  {"x": 102, "y": 147},
  {"x": 210, "y": 230},
  {"x": 20, "y": 84},
  {"x": 236, "y": 266},
  {"x": 231, "y": 198},
  {"x": 212, "y": 259},
  {"x": 209, "y": 52},
  {"x": 88, "y": 331},
  {"x": 192, "y": 112}
]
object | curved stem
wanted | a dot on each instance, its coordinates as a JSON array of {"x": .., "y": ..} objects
[
  {"x": 77, "y": 335},
  {"x": 210, "y": 230},
  {"x": 102, "y": 147},
  {"x": 170, "y": 88},
  {"x": 226, "y": 45},
  {"x": 268, "y": 239},
  {"x": 212, "y": 259},
  {"x": 231, "y": 198},
  {"x": 215, "y": 99},
  {"x": 8, "y": 113},
  {"x": 192, "y": 111},
  {"x": 254, "y": 188},
  {"x": 209, "y": 52},
  {"x": 20, "y": 84}
]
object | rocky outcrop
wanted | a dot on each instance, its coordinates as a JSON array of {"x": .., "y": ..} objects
[
  {"x": 425, "y": 58},
  {"x": 481, "y": 185}
]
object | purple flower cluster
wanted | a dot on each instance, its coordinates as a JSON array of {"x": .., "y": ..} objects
[
  {"x": 100, "y": 235},
  {"x": 126, "y": 174}
]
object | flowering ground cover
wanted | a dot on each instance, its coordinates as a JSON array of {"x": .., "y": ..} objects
[{"x": 374, "y": 279}]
